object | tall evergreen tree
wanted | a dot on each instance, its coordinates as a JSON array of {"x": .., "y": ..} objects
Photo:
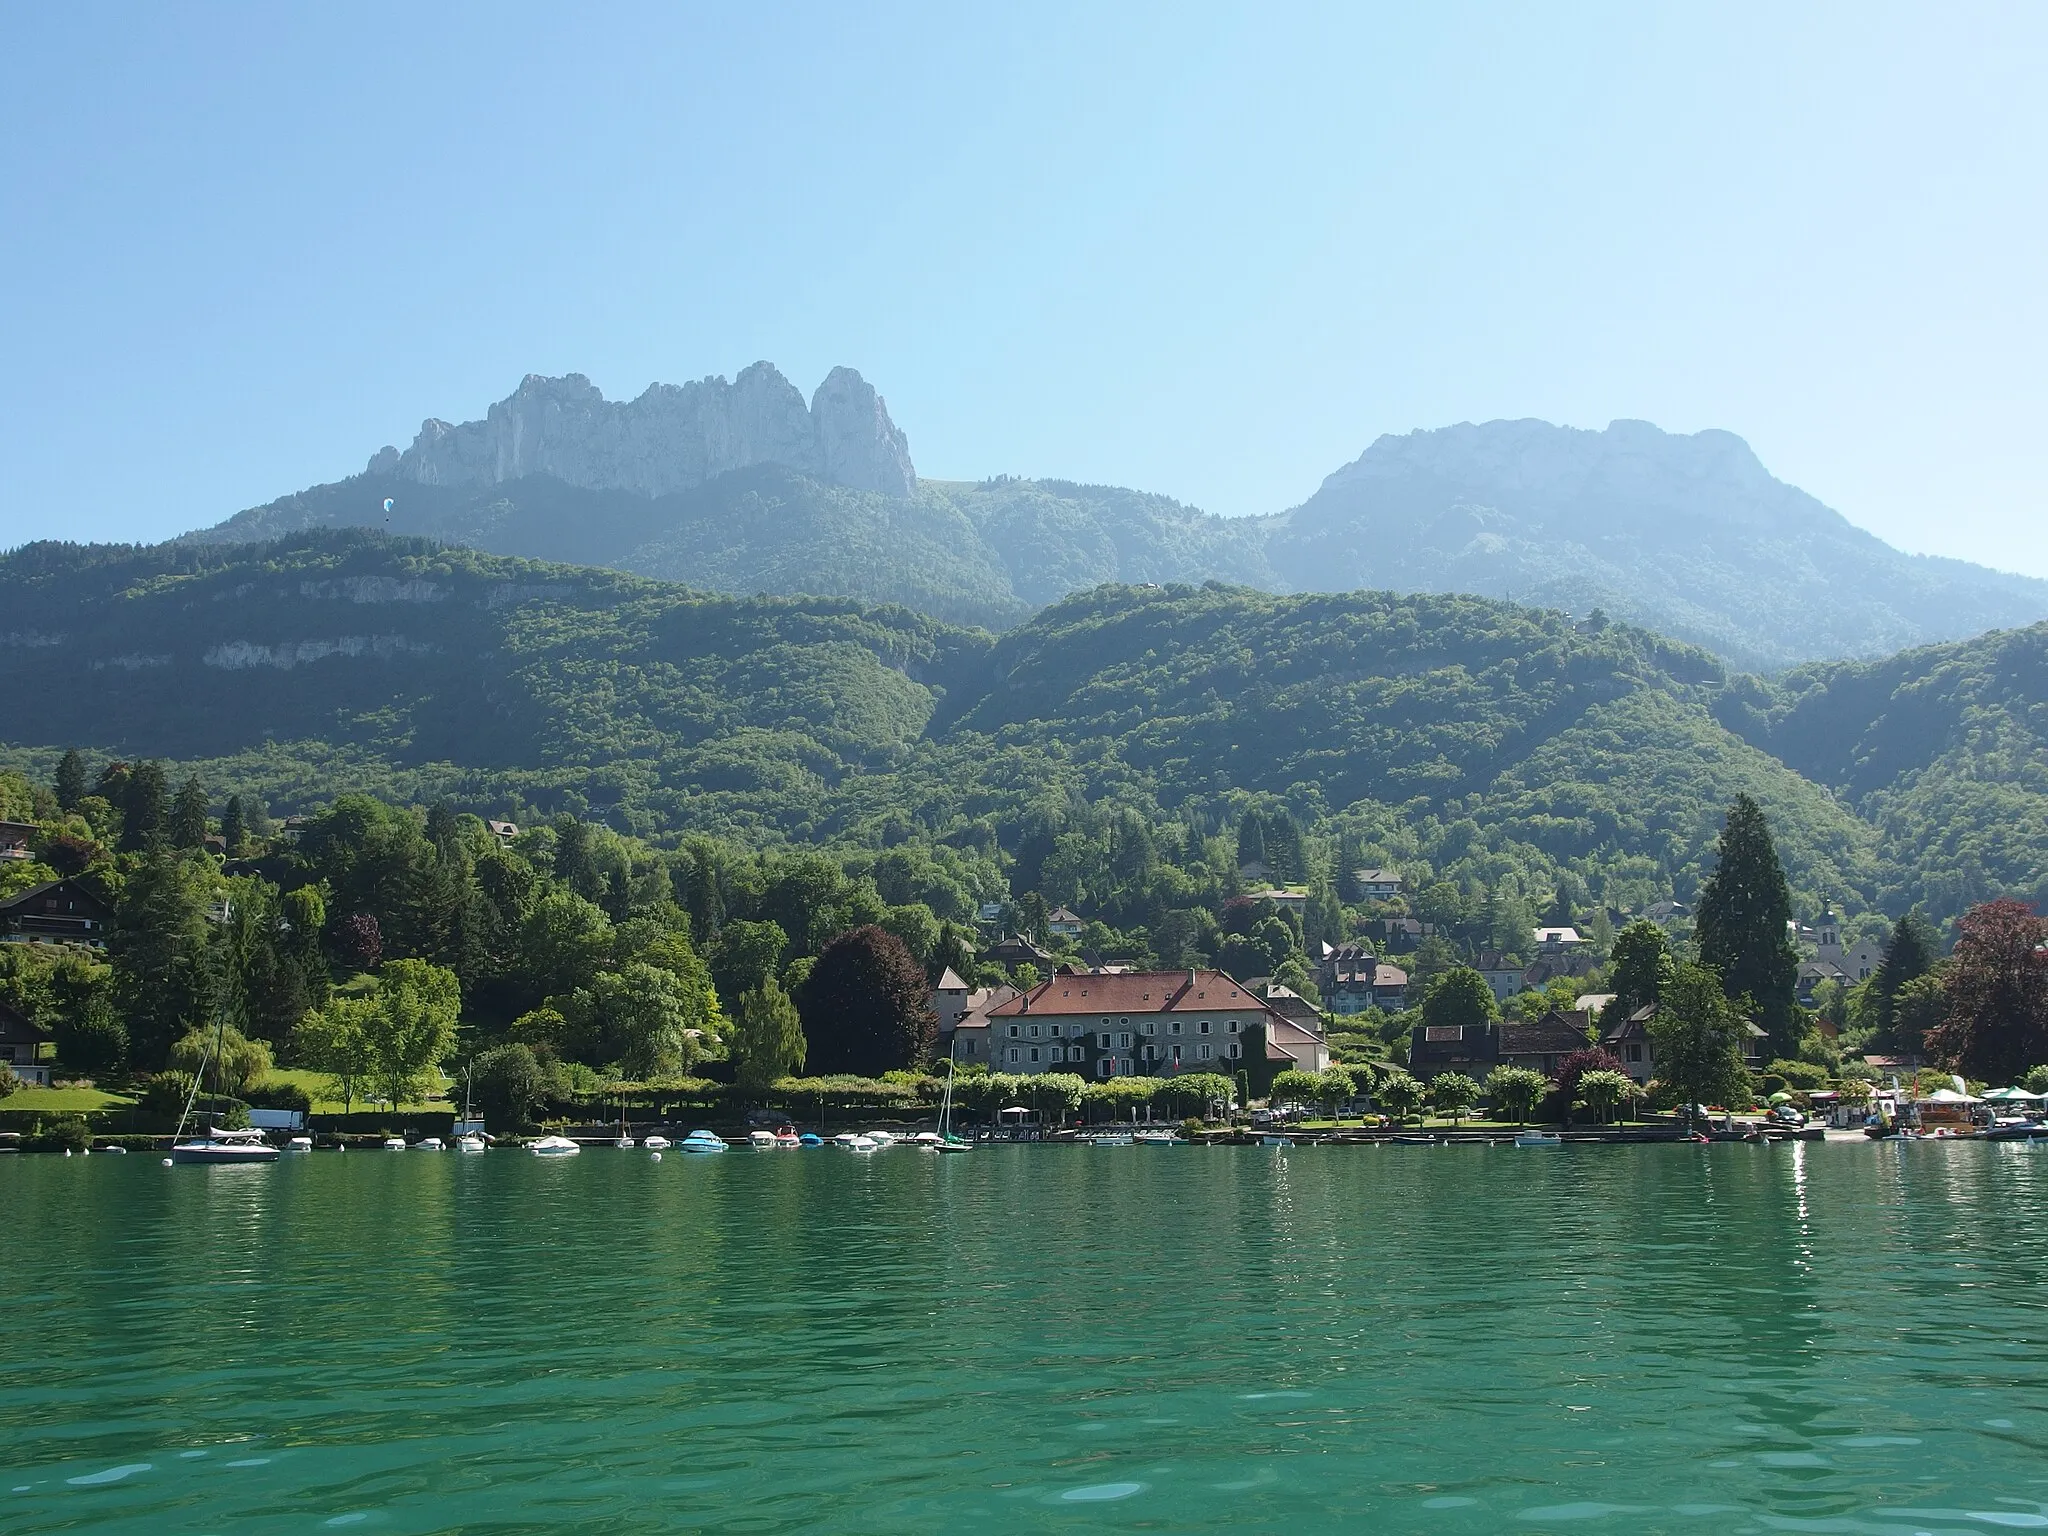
[
  {"x": 145, "y": 805},
  {"x": 234, "y": 828},
  {"x": 188, "y": 816},
  {"x": 1251, "y": 840},
  {"x": 1743, "y": 925},
  {"x": 70, "y": 785},
  {"x": 163, "y": 976},
  {"x": 1908, "y": 954}
]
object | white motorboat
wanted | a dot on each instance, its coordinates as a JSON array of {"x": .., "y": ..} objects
[
  {"x": 702, "y": 1141},
  {"x": 555, "y": 1146},
  {"x": 761, "y": 1141},
  {"x": 299, "y": 1144},
  {"x": 926, "y": 1139},
  {"x": 881, "y": 1139},
  {"x": 219, "y": 1146},
  {"x": 655, "y": 1143},
  {"x": 1157, "y": 1139},
  {"x": 624, "y": 1143},
  {"x": 855, "y": 1141},
  {"x": 1276, "y": 1141},
  {"x": 470, "y": 1143},
  {"x": 116, "y": 1150},
  {"x": 1539, "y": 1139},
  {"x": 787, "y": 1140},
  {"x": 429, "y": 1144},
  {"x": 1111, "y": 1139}
]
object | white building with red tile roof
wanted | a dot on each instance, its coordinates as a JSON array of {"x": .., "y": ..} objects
[{"x": 1155, "y": 1023}]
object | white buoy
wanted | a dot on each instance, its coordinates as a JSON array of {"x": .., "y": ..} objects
[
  {"x": 167, "y": 1162},
  {"x": 656, "y": 1156}
]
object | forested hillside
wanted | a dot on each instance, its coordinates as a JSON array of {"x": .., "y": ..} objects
[
  {"x": 1494, "y": 746},
  {"x": 983, "y": 554}
]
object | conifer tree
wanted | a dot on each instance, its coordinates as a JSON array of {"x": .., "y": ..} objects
[
  {"x": 188, "y": 816},
  {"x": 145, "y": 805},
  {"x": 1742, "y": 928},
  {"x": 1908, "y": 955},
  {"x": 70, "y": 785},
  {"x": 234, "y": 827}
]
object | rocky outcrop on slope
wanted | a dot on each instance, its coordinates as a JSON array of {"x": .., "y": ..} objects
[{"x": 672, "y": 438}]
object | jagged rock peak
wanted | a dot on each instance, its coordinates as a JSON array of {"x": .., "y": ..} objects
[{"x": 671, "y": 438}]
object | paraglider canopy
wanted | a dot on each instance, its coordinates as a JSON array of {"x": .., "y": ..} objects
[{"x": 388, "y": 505}]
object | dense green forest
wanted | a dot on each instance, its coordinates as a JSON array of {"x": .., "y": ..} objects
[{"x": 1481, "y": 746}]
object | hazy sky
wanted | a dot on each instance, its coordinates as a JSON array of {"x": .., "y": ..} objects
[{"x": 1210, "y": 251}]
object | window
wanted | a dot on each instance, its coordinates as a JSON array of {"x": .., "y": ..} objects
[
  {"x": 1635, "y": 1053},
  {"x": 1151, "y": 1053},
  {"x": 1150, "y": 1026},
  {"x": 1176, "y": 1026},
  {"x": 1233, "y": 1030},
  {"x": 1124, "y": 1041},
  {"x": 1013, "y": 1035},
  {"x": 1203, "y": 1028},
  {"x": 1233, "y": 1050},
  {"x": 1202, "y": 1053},
  {"x": 1106, "y": 1066},
  {"x": 1032, "y": 1031},
  {"x": 1013, "y": 1053},
  {"x": 1034, "y": 1053},
  {"x": 1176, "y": 1055}
]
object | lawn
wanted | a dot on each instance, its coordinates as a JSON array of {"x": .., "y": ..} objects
[
  {"x": 62, "y": 1100},
  {"x": 317, "y": 1085}
]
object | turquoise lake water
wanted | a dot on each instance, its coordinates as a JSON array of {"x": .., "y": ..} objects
[{"x": 1600, "y": 1339}]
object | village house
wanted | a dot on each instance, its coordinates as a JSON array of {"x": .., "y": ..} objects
[
  {"x": 963, "y": 1022},
  {"x": 1473, "y": 1049},
  {"x": 1376, "y": 884},
  {"x": 503, "y": 831},
  {"x": 1399, "y": 935},
  {"x": 1015, "y": 950},
  {"x": 15, "y": 837},
  {"x": 1283, "y": 898},
  {"x": 1543, "y": 1045},
  {"x": 1141, "y": 1023},
  {"x": 1063, "y": 923},
  {"x": 1344, "y": 976},
  {"x": 1502, "y": 973},
  {"x": 1292, "y": 1046},
  {"x": 21, "y": 1048},
  {"x": 1628, "y": 1042},
  {"x": 55, "y": 912}
]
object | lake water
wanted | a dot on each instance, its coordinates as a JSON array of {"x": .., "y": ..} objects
[{"x": 1626, "y": 1339}]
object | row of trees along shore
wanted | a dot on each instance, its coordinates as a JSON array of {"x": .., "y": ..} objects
[{"x": 378, "y": 945}]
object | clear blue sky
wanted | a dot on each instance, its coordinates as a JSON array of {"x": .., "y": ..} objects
[{"x": 1210, "y": 251}]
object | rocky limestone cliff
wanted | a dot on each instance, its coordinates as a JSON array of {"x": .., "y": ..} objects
[{"x": 671, "y": 438}]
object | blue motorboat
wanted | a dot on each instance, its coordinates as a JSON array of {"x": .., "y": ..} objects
[{"x": 702, "y": 1141}]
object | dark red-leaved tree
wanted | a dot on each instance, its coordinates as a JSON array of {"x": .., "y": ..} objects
[
  {"x": 358, "y": 942},
  {"x": 1997, "y": 989},
  {"x": 1576, "y": 1066},
  {"x": 865, "y": 1006}
]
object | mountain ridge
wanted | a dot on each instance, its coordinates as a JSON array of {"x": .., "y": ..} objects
[{"x": 743, "y": 488}]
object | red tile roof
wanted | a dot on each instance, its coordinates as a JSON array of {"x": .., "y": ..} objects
[{"x": 1134, "y": 992}]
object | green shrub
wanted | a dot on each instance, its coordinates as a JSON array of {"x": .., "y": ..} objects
[
  {"x": 59, "y": 1133},
  {"x": 1804, "y": 1075},
  {"x": 278, "y": 1093},
  {"x": 165, "y": 1094}
]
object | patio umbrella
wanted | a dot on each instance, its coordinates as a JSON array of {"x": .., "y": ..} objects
[{"x": 1781, "y": 1097}]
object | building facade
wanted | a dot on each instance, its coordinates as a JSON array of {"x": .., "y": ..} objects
[{"x": 1138, "y": 1023}]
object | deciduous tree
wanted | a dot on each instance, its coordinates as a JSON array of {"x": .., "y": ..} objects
[
  {"x": 1996, "y": 985},
  {"x": 1698, "y": 1036},
  {"x": 865, "y": 1006}
]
